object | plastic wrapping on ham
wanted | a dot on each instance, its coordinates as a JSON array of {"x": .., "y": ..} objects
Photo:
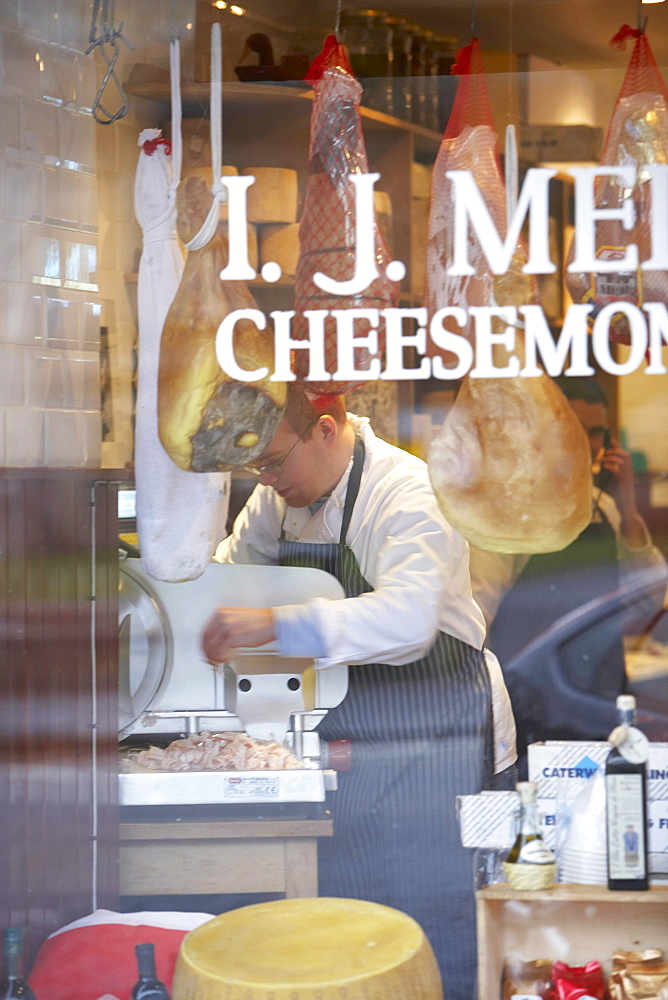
[
  {"x": 327, "y": 228},
  {"x": 470, "y": 143},
  {"x": 212, "y": 752},
  {"x": 637, "y": 138},
  {"x": 510, "y": 465}
]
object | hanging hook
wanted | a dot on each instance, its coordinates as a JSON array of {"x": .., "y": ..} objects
[
  {"x": 642, "y": 19},
  {"x": 108, "y": 35},
  {"x": 474, "y": 20},
  {"x": 337, "y": 22}
]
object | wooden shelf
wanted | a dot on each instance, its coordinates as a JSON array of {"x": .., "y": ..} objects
[
  {"x": 287, "y": 98},
  {"x": 571, "y": 923}
]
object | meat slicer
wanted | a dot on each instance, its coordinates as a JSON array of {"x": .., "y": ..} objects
[{"x": 167, "y": 689}]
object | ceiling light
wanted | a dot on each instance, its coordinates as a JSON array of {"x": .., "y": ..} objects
[
  {"x": 237, "y": 10},
  {"x": 652, "y": 1},
  {"x": 220, "y": 4}
]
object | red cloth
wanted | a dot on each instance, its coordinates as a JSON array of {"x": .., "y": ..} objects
[{"x": 86, "y": 962}]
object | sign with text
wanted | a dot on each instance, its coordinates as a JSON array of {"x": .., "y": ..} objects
[{"x": 615, "y": 268}]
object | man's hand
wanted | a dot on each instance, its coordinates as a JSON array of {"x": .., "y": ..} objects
[
  {"x": 622, "y": 488},
  {"x": 230, "y": 628}
]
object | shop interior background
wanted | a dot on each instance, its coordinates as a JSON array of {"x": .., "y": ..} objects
[{"x": 71, "y": 244}]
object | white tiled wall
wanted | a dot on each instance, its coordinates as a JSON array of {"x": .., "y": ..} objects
[{"x": 68, "y": 232}]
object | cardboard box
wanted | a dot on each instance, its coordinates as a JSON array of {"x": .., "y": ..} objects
[
  {"x": 554, "y": 762},
  {"x": 488, "y": 819}
]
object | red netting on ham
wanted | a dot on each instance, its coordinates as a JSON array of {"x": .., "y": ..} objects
[
  {"x": 470, "y": 145},
  {"x": 637, "y": 138},
  {"x": 327, "y": 229},
  {"x": 471, "y": 105}
]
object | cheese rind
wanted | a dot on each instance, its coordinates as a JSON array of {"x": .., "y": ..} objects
[
  {"x": 273, "y": 195},
  {"x": 307, "y": 948},
  {"x": 280, "y": 243}
]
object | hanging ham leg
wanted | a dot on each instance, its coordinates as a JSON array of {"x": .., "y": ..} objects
[
  {"x": 207, "y": 420},
  {"x": 327, "y": 229},
  {"x": 510, "y": 466}
]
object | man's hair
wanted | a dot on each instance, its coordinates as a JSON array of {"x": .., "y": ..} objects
[
  {"x": 581, "y": 387},
  {"x": 302, "y": 410}
]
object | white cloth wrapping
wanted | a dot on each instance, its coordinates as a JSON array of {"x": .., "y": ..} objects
[{"x": 181, "y": 515}]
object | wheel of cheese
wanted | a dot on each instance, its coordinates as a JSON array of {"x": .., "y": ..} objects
[
  {"x": 273, "y": 196},
  {"x": 207, "y": 174},
  {"x": 307, "y": 949},
  {"x": 420, "y": 180},
  {"x": 382, "y": 204},
  {"x": 280, "y": 243}
]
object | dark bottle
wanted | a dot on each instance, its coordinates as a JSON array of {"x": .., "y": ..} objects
[
  {"x": 148, "y": 986},
  {"x": 626, "y": 801},
  {"x": 12, "y": 983}
]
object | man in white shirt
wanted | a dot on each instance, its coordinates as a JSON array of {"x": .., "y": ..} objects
[{"x": 422, "y": 693}]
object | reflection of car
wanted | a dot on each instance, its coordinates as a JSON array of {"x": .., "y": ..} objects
[{"x": 548, "y": 706}]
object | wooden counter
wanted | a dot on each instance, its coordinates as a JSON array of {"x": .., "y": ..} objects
[{"x": 225, "y": 856}]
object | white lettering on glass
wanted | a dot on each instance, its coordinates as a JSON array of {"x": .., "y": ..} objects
[
  {"x": 470, "y": 208},
  {"x": 238, "y": 266},
  {"x": 366, "y": 268}
]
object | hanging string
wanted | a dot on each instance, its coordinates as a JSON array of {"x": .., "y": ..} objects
[
  {"x": 337, "y": 22},
  {"x": 474, "y": 20},
  {"x": 175, "y": 84},
  {"x": 218, "y": 190}
]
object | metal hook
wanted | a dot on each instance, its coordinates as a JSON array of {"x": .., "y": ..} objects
[
  {"x": 642, "y": 19},
  {"x": 474, "y": 20},
  {"x": 108, "y": 36}
]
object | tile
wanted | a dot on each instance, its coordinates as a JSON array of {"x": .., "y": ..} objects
[
  {"x": 49, "y": 384},
  {"x": 80, "y": 264},
  {"x": 42, "y": 255},
  {"x": 62, "y": 320},
  {"x": 85, "y": 379},
  {"x": 70, "y": 199},
  {"x": 9, "y": 14},
  {"x": 20, "y": 190},
  {"x": 10, "y": 124},
  {"x": 73, "y": 19},
  {"x": 21, "y": 60},
  {"x": 57, "y": 78},
  {"x": 39, "y": 19},
  {"x": 21, "y": 314},
  {"x": 40, "y": 132},
  {"x": 91, "y": 439},
  {"x": 62, "y": 439},
  {"x": 24, "y": 437},
  {"x": 107, "y": 243},
  {"x": 12, "y": 377},
  {"x": 77, "y": 139},
  {"x": 91, "y": 317},
  {"x": 11, "y": 255}
]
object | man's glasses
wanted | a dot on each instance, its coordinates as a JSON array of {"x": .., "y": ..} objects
[{"x": 275, "y": 466}]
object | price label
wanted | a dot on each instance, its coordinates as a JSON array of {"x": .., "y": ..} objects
[
  {"x": 262, "y": 787},
  {"x": 631, "y": 743}
]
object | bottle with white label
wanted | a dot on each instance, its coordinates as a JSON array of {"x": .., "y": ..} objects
[
  {"x": 530, "y": 863},
  {"x": 626, "y": 800}
]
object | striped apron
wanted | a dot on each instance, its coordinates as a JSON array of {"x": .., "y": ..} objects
[{"x": 420, "y": 734}]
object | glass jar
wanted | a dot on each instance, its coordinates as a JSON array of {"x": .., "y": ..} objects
[
  {"x": 368, "y": 41},
  {"x": 445, "y": 54},
  {"x": 417, "y": 72},
  {"x": 401, "y": 46}
]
